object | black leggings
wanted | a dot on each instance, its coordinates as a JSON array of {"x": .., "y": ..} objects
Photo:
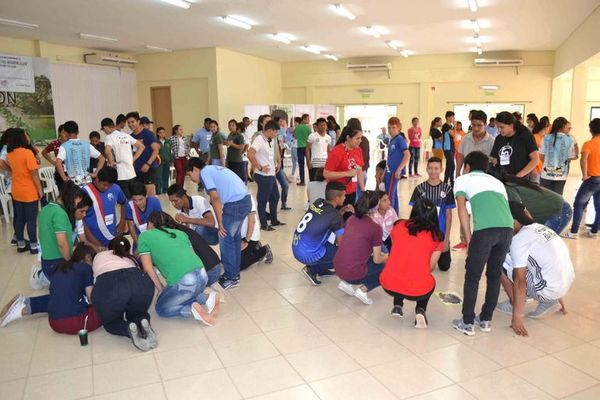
[
  {"x": 450, "y": 167},
  {"x": 421, "y": 300},
  {"x": 252, "y": 254}
]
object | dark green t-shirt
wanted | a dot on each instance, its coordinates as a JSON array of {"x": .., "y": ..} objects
[
  {"x": 542, "y": 204},
  {"x": 235, "y": 155},
  {"x": 53, "y": 219},
  {"x": 301, "y": 132},
  {"x": 215, "y": 142}
]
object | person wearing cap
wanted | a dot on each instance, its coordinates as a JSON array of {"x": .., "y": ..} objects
[
  {"x": 538, "y": 266},
  {"x": 146, "y": 164},
  {"x": 147, "y": 124}
]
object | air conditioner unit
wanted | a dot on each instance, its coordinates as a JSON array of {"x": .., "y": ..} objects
[
  {"x": 109, "y": 60},
  {"x": 491, "y": 62},
  {"x": 369, "y": 67}
]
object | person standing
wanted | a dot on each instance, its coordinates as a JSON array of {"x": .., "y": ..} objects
[
  {"x": 448, "y": 147},
  {"x": 216, "y": 153},
  {"x": 236, "y": 145},
  {"x": 491, "y": 128},
  {"x": 53, "y": 147},
  {"x": 73, "y": 159},
  {"x": 119, "y": 153},
  {"x": 317, "y": 149},
  {"x": 301, "y": 133},
  {"x": 398, "y": 158},
  {"x": 489, "y": 243},
  {"x": 590, "y": 187},
  {"x": 231, "y": 202},
  {"x": 437, "y": 137},
  {"x": 556, "y": 151},
  {"x": 180, "y": 151},
  {"x": 414, "y": 147},
  {"x": 263, "y": 154},
  {"x": 201, "y": 140},
  {"x": 164, "y": 169},
  {"x": 98, "y": 145},
  {"x": 344, "y": 163},
  {"x": 145, "y": 165}
]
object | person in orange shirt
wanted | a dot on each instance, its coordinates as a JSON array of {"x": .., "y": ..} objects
[
  {"x": 540, "y": 130},
  {"x": 590, "y": 187},
  {"x": 26, "y": 188},
  {"x": 459, "y": 134}
]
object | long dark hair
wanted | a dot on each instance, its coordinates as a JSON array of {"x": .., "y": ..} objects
[
  {"x": 161, "y": 220},
  {"x": 353, "y": 126},
  {"x": 3, "y": 139},
  {"x": 68, "y": 193},
  {"x": 424, "y": 217},
  {"x": 557, "y": 125},
  {"x": 80, "y": 253},
  {"x": 121, "y": 247},
  {"x": 17, "y": 138},
  {"x": 541, "y": 125},
  {"x": 367, "y": 201},
  {"x": 434, "y": 122},
  {"x": 174, "y": 130}
]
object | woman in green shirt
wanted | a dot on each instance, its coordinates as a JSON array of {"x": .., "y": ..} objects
[
  {"x": 163, "y": 170},
  {"x": 216, "y": 154},
  {"x": 235, "y": 150},
  {"x": 171, "y": 252}
]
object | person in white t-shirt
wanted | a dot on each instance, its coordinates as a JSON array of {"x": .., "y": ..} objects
[
  {"x": 252, "y": 250},
  {"x": 538, "y": 266},
  {"x": 264, "y": 156},
  {"x": 196, "y": 212},
  {"x": 317, "y": 148},
  {"x": 119, "y": 153}
]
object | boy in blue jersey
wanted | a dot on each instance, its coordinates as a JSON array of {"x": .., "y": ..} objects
[
  {"x": 398, "y": 158},
  {"x": 442, "y": 196},
  {"x": 74, "y": 155},
  {"x": 318, "y": 233},
  {"x": 100, "y": 222},
  {"x": 139, "y": 208}
]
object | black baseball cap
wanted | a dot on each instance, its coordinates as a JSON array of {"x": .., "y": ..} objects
[{"x": 145, "y": 120}]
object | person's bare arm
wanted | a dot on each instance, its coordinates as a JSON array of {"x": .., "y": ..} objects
[
  {"x": 46, "y": 155},
  {"x": 403, "y": 164},
  {"x": 463, "y": 217},
  {"x": 90, "y": 239},
  {"x": 448, "y": 229},
  {"x": 35, "y": 175},
  {"x": 583, "y": 164},
  {"x": 534, "y": 159},
  {"x": 519, "y": 290},
  {"x": 101, "y": 161},
  {"x": 221, "y": 154},
  {"x": 63, "y": 245},
  {"x": 361, "y": 180},
  {"x": 435, "y": 257},
  {"x": 140, "y": 149},
  {"x": 378, "y": 256},
  {"x": 460, "y": 160},
  {"x": 254, "y": 161},
  {"x": 132, "y": 231},
  {"x": 208, "y": 220},
  {"x": 60, "y": 169},
  {"x": 215, "y": 201},
  {"x": 109, "y": 155},
  {"x": 148, "y": 268},
  {"x": 333, "y": 175}
]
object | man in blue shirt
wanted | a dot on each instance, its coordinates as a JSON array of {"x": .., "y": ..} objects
[
  {"x": 145, "y": 166},
  {"x": 398, "y": 158},
  {"x": 139, "y": 208},
  {"x": 231, "y": 203},
  {"x": 318, "y": 233},
  {"x": 100, "y": 222},
  {"x": 201, "y": 140},
  {"x": 491, "y": 128}
]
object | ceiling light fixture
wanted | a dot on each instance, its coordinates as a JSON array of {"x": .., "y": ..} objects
[
  {"x": 479, "y": 51},
  {"x": 371, "y": 30},
  {"x": 343, "y": 11},
  {"x": 160, "y": 49},
  {"x": 473, "y": 5},
  {"x": 404, "y": 53},
  {"x": 331, "y": 57},
  {"x": 178, "y": 3},
  {"x": 475, "y": 25},
  {"x": 17, "y": 24},
  {"x": 236, "y": 22},
  {"x": 96, "y": 37},
  {"x": 489, "y": 87},
  {"x": 282, "y": 37},
  {"x": 311, "y": 49},
  {"x": 393, "y": 44}
]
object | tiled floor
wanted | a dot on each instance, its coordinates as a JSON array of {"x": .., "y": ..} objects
[{"x": 277, "y": 337}]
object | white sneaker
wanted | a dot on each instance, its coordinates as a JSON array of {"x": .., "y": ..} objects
[
  {"x": 346, "y": 288},
  {"x": 213, "y": 303},
  {"x": 592, "y": 235},
  {"x": 37, "y": 278},
  {"x": 12, "y": 311},
  {"x": 570, "y": 235},
  {"x": 200, "y": 314},
  {"x": 362, "y": 296}
]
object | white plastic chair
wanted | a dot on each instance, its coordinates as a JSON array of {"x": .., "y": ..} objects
[
  {"x": 171, "y": 175},
  {"x": 5, "y": 200},
  {"x": 48, "y": 183},
  {"x": 193, "y": 153}
]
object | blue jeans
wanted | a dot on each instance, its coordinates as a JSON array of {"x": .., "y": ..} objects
[
  {"x": 391, "y": 188},
  {"x": 231, "y": 245},
  {"x": 325, "y": 262},
  {"x": 371, "y": 280},
  {"x": 588, "y": 189},
  {"x": 413, "y": 164},
  {"x": 214, "y": 274},
  {"x": 267, "y": 193},
  {"x": 25, "y": 214},
  {"x": 294, "y": 160},
  {"x": 210, "y": 234},
  {"x": 284, "y": 186},
  {"x": 559, "y": 222},
  {"x": 301, "y": 160},
  {"x": 176, "y": 300}
]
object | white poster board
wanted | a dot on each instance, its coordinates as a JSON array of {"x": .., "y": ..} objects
[{"x": 16, "y": 74}]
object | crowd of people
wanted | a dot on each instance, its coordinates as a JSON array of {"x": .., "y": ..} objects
[{"x": 108, "y": 250}]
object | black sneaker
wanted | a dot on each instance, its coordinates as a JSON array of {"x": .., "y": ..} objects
[
  {"x": 13, "y": 241},
  {"x": 269, "y": 255},
  {"x": 301, "y": 184},
  {"x": 327, "y": 273},
  {"x": 277, "y": 223},
  {"x": 34, "y": 250},
  {"x": 397, "y": 312},
  {"x": 228, "y": 283},
  {"x": 313, "y": 279},
  {"x": 268, "y": 229},
  {"x": 24, "y": 248},
  {"x": 420, "y": 319},
  {"x": 285, "y": 207}
]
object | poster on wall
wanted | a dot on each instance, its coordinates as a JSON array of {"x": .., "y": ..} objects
[
  {"x": 27, "y": 106},
  {"x": 16, "y": 74},
  {"x": 324, "y": 110}
]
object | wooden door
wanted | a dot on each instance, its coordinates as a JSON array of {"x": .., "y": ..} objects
[{"x": 162, "y": 113}]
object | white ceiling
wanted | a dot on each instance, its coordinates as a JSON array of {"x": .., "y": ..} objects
[{"x": 423, "y": 26}]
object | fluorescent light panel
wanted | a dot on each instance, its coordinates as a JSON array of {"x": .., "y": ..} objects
[
  {"x": 475, "y": 25},
  {"x": 343, "y": 11},
  {"x": 96, "y": 37},
  {"x": 18, "y": 24},
  {"x": 236, "y": 22},
  {"x": 479, "y": 51},
  {"x": 473, "y": 5},
  {"x": 393, "y": 44},
  {"x": 371, "y": 30},
  {"x": 156, "y": 48},
  {"x": 282, "y": 37},
  {"x": 311, "y": 49},
  {"x": 489, "y": 87},
  {"x": 404, "y": 53},
  {"x": 178, "y": 3},
  {"x": 331, "y": 57}
]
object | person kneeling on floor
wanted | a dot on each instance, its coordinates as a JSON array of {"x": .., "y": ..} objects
[
  {"x": 252, "y": 250},
  {"x": 538, "y": 266},
  {"x": 359, "y": 260}
]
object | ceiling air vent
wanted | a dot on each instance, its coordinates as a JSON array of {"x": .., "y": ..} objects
[
  {"x": 109, "y": 60},
  {"x": 369, "y": 67},
  {"x": 491, "y": 62}
]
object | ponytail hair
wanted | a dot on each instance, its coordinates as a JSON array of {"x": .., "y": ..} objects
[
  {"x": 424, "y": 217},
  {"x": 161, "y": 220},
  {"x": 368, "y": 200},
  {"x": 557, "y": 125},
  {"x": 121, "y": 247},
  {"x": 80, "y": 253}
]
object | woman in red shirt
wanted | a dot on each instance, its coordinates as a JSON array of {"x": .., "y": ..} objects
[
  {"x": 344, "y": 163},
  {"x": 418, "y": 244}
]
